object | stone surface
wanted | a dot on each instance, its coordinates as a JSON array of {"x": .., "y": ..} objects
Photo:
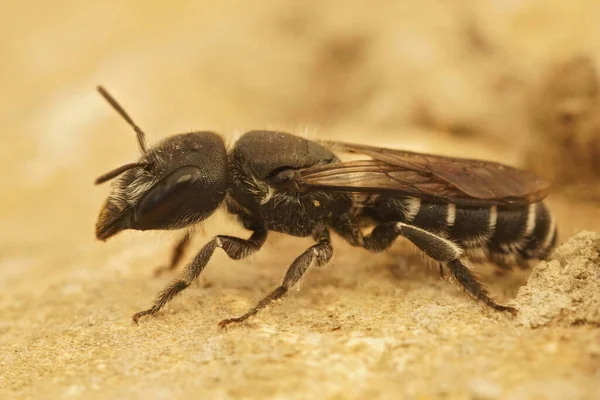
[
  {"x": 566, "y": 289},
  {"x": 446, "y": 77}
]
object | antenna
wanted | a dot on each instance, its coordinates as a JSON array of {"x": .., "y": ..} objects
[
  {"x": 118, "y": 171},
  {"x": 141, "y": 136}
]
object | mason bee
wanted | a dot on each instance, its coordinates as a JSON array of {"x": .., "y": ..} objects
[{"x": 450, "y": 208}]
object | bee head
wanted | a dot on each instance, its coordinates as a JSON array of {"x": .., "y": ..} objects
[{"x": 177, "y": 183}]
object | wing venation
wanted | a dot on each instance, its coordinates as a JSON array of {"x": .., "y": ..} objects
[{"x": 425, "y": 175}]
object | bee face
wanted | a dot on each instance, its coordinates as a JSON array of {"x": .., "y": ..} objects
[{"x": 178, "y": 183}]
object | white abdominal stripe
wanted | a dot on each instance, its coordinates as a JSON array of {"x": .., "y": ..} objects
[{"x": 499, "y": 233}]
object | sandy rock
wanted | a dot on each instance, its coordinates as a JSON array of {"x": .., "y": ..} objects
[
  {"x": 565, "y": 289},
  {"x": 441, "y": 77}
]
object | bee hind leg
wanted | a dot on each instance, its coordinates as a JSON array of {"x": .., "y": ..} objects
[
  {"x": 445, "y": 252},
  {"x": 448, "y": 253}
]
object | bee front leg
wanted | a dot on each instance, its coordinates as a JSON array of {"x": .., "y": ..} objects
[
  {"x": 176, "y": 254},
  {"x": 317, "y": 255},
  {"x": 236, "y": 248}
]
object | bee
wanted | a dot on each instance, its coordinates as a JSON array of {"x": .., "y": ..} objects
[{"x": 452, "y": 209}]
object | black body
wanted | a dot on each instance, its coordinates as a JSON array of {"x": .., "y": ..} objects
[
  {"x": 501, "y": 234},
  {"x": 256, "y": 160},
  {"x": 155, "y": 194},
  {"x": 185, "y": 178}
]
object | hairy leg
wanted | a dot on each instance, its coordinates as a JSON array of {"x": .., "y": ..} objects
[
  {"x": 442, "y": 250},
  {"x": 236, "y": 248},
  {"x": 317, "y": 255}
]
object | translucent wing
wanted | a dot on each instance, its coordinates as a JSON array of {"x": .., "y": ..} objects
[{"x": 457, "y": 180}]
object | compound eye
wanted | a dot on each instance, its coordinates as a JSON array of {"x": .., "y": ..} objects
[{"x": 165, "y": 198}]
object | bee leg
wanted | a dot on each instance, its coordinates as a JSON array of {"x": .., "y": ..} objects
[
  {"x": 441, "y": 250},
  {"x": 236, "y": 248},
  {"x": 176, "y": 255},
  {"x": 317, "y": 255}
]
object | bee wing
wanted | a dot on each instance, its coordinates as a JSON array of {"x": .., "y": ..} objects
[{"x": 422, "y": 175}]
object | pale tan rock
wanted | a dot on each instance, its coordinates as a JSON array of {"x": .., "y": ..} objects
[{"x": 565, "y": 289}]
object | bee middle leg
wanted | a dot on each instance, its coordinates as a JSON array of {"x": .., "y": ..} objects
[
  {"x": 236, "y": 248},
  {"x": 441, "y": 250},
  {"x": 316, "y": 255}
]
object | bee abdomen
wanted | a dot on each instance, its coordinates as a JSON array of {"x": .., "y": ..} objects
[
  {"x": 474, "y": 226},
  {"x": 521, "y": 234},
  {"x": 435, "y": 218},
  {"x": 471, "y": 227},
  {"x": 504, "y": 235},
  {"x": 543, "y": 236}
]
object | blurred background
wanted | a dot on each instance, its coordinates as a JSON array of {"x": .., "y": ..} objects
[
  {"x": 514, "y": 81},
  {"x": 510, "y": 81}
]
